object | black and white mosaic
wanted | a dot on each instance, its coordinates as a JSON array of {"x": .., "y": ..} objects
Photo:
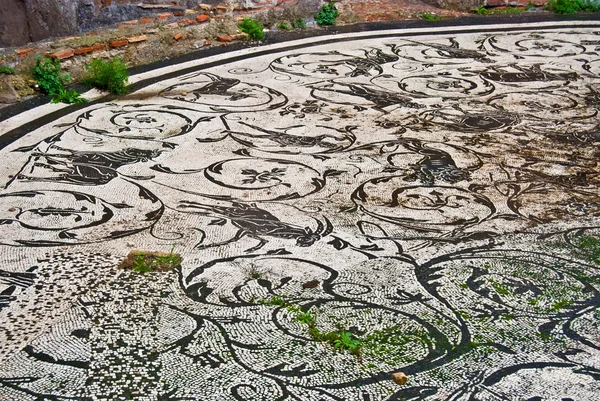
[{"x": 435, "y": 196}]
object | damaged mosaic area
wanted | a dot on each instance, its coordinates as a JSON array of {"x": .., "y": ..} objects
[{"x": 425, "y": 204}]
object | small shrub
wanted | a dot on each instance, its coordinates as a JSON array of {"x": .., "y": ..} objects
[
  {"x": 108, "y": 75},
  {"x": 52, "y": 81},
  {"x": 253, "y": 28},
  {"x": 298, "y": 23},
  {"x": 429, "y": 17},
  {"x": 588, "y": 5},
  {"x": 69, "y": 96},
  {"x": 48, "y": 75},
  {"x": 327, "y": 14},
  {"x": 284, "y": 27},
  {"x": 7, "y": 69},
  {"x": 572, "y": 6}
]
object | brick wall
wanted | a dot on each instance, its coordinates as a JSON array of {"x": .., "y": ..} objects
[
  {"x": 23, "y": 21},
  {"x": 496, "y": 3}
]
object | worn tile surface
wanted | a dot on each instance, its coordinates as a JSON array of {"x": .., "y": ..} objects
[{"x": 437, "y": 194}]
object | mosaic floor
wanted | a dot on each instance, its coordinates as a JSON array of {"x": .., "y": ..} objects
[{"x": 428, "y": 199}]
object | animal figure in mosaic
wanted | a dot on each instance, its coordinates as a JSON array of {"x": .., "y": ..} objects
[
  {"x": 452, "y": 51},
  {"x": 328, "y": 141},
  {"x": 533, "y": 73},
  {"x": 85, "y": 167},
  {"x": 256, "y": 223},
  {"x": 380, "y": 98},
  {"x": 436, "y": 164}
]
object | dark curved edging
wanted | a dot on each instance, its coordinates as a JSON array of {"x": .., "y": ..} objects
[{"x": 328, "y": 35}]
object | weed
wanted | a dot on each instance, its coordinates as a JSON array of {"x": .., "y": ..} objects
[
  {"x": 429, "y": 17},
  {"x": 253, "y": 28},
  {"x": 572, "y": 6},
  {"x": 463, "y": 314},
  {"x": 284, "y": 26},
  {"x": 557, "y": 306},
  {"x": 500, "y": 288},
  {"x": 69, "y": 96},
  {"x": 108, "y": 75},
  {"x": 306, "y": 318},
  {"x": 481, "y": 10},
  {"x": 275, "y": 300},
  {"x": 298, "y": 23},
  {"x": 145, "y": 262},
  {"x": 52, "y": 81},
  {"x": 346, "y": 341},
  {"x": 591, "y": 247},
  {"x": 48, "y": 75},
  {"x": 530, "y": 5},
  {"x": 7, "y": 69},
  {"x": 327, "y": 14}
]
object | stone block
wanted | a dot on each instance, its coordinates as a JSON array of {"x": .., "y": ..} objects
[
  {"x": 185, "y": 22},
  {"x": 118, "y": 43},
  {"x": 83, "y": 50},
  {"x": 63, "y": 54},
  {"x": 24, "y": 52},
  {"x": 136, "y": 39}
]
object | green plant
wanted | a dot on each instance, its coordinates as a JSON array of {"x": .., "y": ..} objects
[
  {"x": 481, "y": 10},
  {"x": 7, "y": 69},
  {"x": 48, "y": 75},
  {"x": 429, "y": 17},
  {"x": 591, "y": 246},
  {"x": 275, "y": 300},
  {"x": 284, "y": 26},
  {"x": 145, "y": 262},
  {"x": 298, "y": 23},
  {"x": 69, "y": 96},
  {"x": 346, "y": 341},
  {"x": 530, "y": 5},
  {"x": 108, "y": 75},
  {"x": 327, "y": 14},
  {"x": 306, "y": 318},
  {"x": 572, "y": 6},
  {"x": 253, "y": 28}
]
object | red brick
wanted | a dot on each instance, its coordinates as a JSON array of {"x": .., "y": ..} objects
[
  {"x": 172, "y": 25},
  {"x": 179, "y": 13},
  {"x": 224, "y": 38},
  {"x": 132, "y": 22},
  {"x": 221, "y": 8},
  {"x": 24, "y": 52},
  {"x": 99, "y": 47},
  {"x": 84, "y": 50},
  {"x": 495, "y": 3},
  {"x": 146, "y": 20},
  {"x": 118, "y": 43},
  {"x": 164, "y": 16},
  {"x": 185, "y": 22},
  {"x": 62, "y": 54},
  {"x": 202, "y": 18},
  {"x": 206, "y": 42},
  {"x": 177, "y": 36},
  {"x": 136, "y": 39}
]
